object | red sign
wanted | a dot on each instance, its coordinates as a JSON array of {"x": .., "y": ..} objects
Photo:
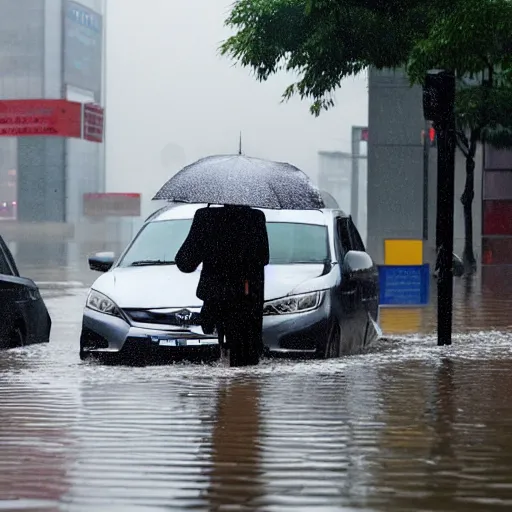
[
  {"x": 93, "y": 122},
  {"x": 24, "y": 118},
  {"x": 112, "y": 205},
  {"x": 364, "y": 134}
]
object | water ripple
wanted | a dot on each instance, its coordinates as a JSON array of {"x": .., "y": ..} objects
[{"x": 410, "y": 426}]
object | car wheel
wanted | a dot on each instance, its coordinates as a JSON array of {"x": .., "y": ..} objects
[
  {"x": 84, "y": 354},
  {"x": 17, "y": 338},
  {"x": 332, "y": 347}
]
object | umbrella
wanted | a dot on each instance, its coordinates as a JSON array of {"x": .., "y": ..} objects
[
  {"x": 241, "y": 180},
  {"x": 329, "y": 200}
]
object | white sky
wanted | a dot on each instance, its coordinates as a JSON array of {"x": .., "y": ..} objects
[{"x": 171, "y": 98}]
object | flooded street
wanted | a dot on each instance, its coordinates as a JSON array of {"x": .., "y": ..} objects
[{"x": 409, "y": 426}]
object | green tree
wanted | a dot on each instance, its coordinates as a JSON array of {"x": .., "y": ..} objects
[
  {"x": 324, "y": 41},
  {"x": 474, "y": 40}
]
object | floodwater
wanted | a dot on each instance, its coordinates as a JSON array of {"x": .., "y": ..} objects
[{"x": 407, "y": 427}]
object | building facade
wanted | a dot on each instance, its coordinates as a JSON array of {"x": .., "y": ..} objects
[
  {"x": 50, "y": 49},
  {"x": 402, "y": 184},
  {"x": 402, "y": 179},
  {"x": 497, "y": 219}
]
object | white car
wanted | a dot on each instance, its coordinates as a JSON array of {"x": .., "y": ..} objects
[{"x": 321, "y": 290}]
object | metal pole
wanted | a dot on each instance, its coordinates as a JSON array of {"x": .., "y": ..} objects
[
  {"x": 426, "y": 151},
  {"x": 354, "y": 196},
  {"x": 445, "y": 192},
  {"x": 439, "y": 107},
  {"x": 438, "y": 202}
]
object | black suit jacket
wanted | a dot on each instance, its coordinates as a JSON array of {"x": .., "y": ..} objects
[{"x": 232, "y": 245}]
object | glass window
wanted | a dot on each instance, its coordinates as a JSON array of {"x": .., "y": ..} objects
[
  {"x": 159, "y": 240},
  {"x": 497, "y": 218},
  {"x": 344, "y": 236},
  {"x": 356, "y": 238},
  {"x": 288, "y": 242},
  {"x": 5, "y": 267},
  {"x": 297, "y": 243},
  {"x": 7, "y": 264}
]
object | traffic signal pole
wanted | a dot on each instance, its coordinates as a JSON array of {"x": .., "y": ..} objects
[{"x": 438, "y": 106}]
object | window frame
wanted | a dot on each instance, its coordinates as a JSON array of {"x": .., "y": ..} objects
[
  {"x": 338, "y": 221},
  {"x": 6, "y": 255},
  {"x": 356, "y": 236}
]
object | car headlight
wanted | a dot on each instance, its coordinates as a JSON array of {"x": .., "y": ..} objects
[
  {"x": 101, "y": 303},
  {"x": 294, "y": 304}
]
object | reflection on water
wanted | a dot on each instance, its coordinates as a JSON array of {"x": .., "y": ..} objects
[
  {"x": 236, "y": 459},
  {"x": 478, "y": 304},
  {"x": 410, "y": 426},
  {"x": 34, "y": 444}
]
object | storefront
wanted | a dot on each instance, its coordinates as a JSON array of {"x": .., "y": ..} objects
[{"x": 497, "y": 218}]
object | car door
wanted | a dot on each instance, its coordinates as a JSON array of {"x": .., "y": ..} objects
[
  {"x": 350, "y": 290},
  {"x": 8, "y": 295},
  {"x": 368, "y": 277},
  {"x": 21, "y": 305}
]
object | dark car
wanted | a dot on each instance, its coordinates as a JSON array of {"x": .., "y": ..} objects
[
  {"x": 321, "y": 289},
  {"x": 24, "y": 319}
]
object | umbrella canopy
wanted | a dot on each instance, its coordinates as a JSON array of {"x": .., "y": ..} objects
[
  {"x": 329, "y": 200},
  {"x": 240, "y": 180}
]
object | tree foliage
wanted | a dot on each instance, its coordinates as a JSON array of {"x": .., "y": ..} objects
[
  {"x": 321, "y": 41},
  {"x": 474, "y": 40},
  {"x": 324, "y": 41},
  {"x": 473, "y": 37}
]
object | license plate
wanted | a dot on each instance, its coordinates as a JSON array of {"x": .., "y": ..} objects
[
  {"x": 182, "y": 342},
  {"x": 168, "y": 343},
  {"x": 178, "y": 342}
]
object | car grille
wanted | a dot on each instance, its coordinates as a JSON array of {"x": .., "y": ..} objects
[{"x": 180, "y": 318}]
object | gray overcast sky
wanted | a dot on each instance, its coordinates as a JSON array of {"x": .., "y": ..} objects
[{"x": 172, "y": 99}]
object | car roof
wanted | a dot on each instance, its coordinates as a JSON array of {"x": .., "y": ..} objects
[{"x": 176, "y": 211}]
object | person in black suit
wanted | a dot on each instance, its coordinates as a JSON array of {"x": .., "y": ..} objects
[{"x": 232, "y": 244}]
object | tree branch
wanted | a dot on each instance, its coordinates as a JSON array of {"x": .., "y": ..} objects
[
  {"x": 462, "y": 142},
  {"x": 462, "y": 148},
  {"x": 474, "y": 137},
  {"x": 461, "y": 134}
]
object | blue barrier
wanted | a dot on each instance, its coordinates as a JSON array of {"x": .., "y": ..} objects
[{"x": 404, "y": 285}]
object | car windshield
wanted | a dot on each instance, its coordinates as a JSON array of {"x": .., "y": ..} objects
[{"x": 159, "y": 241}]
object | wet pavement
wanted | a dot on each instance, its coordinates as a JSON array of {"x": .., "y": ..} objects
[{"x": 408, "y": 427}]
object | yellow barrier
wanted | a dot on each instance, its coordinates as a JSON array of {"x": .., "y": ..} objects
[{"x": 403, "y": 252}]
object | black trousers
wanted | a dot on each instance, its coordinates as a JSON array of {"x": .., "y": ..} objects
[{"x": 239, "y": 322}]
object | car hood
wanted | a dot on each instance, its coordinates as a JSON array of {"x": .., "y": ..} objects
[{"x": 167, "y": 287}]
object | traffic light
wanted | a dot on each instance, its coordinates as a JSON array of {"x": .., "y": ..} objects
[{"x": 432, "y": 137}]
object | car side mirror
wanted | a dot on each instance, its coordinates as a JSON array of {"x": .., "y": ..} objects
[
  {"x": 356, "y": 261},
  {"x": 102, "y": 261}
]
